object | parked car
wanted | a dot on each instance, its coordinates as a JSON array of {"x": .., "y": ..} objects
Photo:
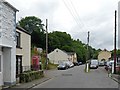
[
  {"x": 62, "y": 66},
  {"x": 109, "y": 66},
  {"x": 94, "y": 64},
  {"x": 79, "y": 63},
  {"x": 101, "y": 63},
  {"x": 69, "y": 64},
  {"x": 75, "y": 63}
]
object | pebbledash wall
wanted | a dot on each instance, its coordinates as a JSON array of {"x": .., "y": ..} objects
[{"x": 7, "y": 43}]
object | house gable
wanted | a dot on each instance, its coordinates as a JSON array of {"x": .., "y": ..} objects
[
  {"x": 104, "y": 55},
  {"x": 57, "y": 55}
]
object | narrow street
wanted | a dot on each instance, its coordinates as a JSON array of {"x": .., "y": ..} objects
[{"x": 76, "y": 78}]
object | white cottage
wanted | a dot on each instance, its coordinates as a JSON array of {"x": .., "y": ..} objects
[
  {"x": 72, "y": 56},
  {"x": 7, "y": 43},
  {"x": 57, "y": 55},
  {"x": 23, "y": 50}
]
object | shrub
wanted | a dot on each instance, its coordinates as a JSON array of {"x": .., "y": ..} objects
[
  {"x": 51, "y": 66},
  {"x": 31, "y": 75}
]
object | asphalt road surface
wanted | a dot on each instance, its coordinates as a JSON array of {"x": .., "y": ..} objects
[{"x": 76, "y": 78}]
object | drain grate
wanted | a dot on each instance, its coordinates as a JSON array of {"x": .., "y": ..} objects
[{"x": 66, "y": 74}]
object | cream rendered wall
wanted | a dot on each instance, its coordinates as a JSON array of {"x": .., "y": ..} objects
[
  {"x": 57, "y": 55},
  {"x": 104, "y": 55},
  {"x": 26, "y": 49},
  {"x": 75, "y": 58}
]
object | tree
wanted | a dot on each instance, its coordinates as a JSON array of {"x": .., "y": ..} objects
[
  {"x": 63, "y": 41},
  {"x": 34, "y": 26},
  {"x": 56, "y": 39},
  {"x": 31, "y": 24},
  {"x": 60, "y": 40}
]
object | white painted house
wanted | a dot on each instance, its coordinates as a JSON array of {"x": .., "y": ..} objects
[
  {"x": 23, "y": 50},
  {"x": 72, "y": 56},
  {"x": 7, "y": 43},
  {"x": 104, "y": 55},
  {"x": 57, "y": 55}
]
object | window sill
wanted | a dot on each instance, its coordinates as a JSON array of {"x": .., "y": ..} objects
[{"x": 18, "y": 47}]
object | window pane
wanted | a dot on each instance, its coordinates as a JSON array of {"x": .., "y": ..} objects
[{"x": 18, "y": 39}]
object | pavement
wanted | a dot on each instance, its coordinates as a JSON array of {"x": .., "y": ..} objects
[
  {"x": 116, "y": 77},
  {"x": 29, "y": 85}
]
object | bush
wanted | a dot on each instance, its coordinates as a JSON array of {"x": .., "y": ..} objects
[
  {"x": 31, "y": 75},
  {"x": 51, "y": 66}
]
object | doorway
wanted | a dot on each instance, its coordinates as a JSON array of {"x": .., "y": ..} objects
[{"x": 18, "y": 65}]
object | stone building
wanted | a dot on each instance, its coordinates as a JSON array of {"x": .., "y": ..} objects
[
  {"x": 7, "y": 43},
  {"x": 104, "y": 55}
]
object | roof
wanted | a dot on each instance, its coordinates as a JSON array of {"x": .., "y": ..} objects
[
  {"x": 5, "y": 2},
  {"x": 68, "y": 53},
  {"x": 23, "y": 30},
  {"x": 104, "y": 51}
]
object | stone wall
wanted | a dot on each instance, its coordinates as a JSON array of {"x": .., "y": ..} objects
[
  {"x": 8, "y": 25},
  {"x": 8, "y": 42}
]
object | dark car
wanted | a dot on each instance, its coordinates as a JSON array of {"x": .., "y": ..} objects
[
  {"x": 75, "y": 63},
  {"x": 79, "y": 63},
  {"x": 62, "y": 66}
]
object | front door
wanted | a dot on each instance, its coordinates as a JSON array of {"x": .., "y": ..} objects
[
  {"x": 1, "y": 69},
  {"x": 18, "y": 65}
]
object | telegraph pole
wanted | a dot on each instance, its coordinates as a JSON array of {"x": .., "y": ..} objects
[
  {"x": 46, "y": 42},
  {"x": 115, "y": 42},
  {"x": 88, "y": 45},
  {"x": 87, "y": 56}
]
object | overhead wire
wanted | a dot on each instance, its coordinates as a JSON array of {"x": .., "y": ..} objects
[
  {"x": 78, "y": 16},
  {"x": 75, "y": 15},
  {"x": 72, "y": 13}
]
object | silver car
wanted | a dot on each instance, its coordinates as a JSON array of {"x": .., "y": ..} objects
[{"x": 94, "y": 64}]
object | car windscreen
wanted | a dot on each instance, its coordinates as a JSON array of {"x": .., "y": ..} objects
[{"x": 94, "y": 62}]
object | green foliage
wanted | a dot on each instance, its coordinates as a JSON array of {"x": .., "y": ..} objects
[
  {"x": 30, "y": 75},
  {"x": 56, "y": 39},
  {"x": 34, "y": 26},
  {"x": 31, "y": 24},
  {"x": 63, "y": 41},
  {"x": 117, "y": 52},
  {"x": 51, "y": 66},
  {"x": 80, "y": 49},
  {"x": 95, "y": 53}
]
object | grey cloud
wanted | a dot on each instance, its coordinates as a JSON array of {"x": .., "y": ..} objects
[
  {"x": 46, "y": 7},
  {"x": 100, "y": 23}
]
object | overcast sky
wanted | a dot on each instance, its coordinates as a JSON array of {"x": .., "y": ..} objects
[{"x": 75, "y": 17}]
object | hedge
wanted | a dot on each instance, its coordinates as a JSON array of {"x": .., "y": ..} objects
[{"x": 30, "y": 75}]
